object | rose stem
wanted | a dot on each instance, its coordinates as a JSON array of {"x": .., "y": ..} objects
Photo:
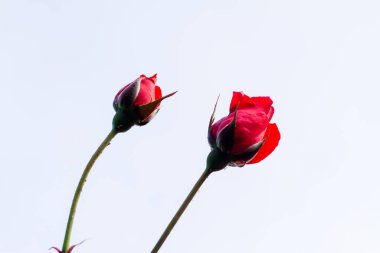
[
  {"x": 180, "y": 211},
  {"x": 105, "y": 143}
]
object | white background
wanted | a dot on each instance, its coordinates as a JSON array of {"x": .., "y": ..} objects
[{"x": 62, "y": 62}]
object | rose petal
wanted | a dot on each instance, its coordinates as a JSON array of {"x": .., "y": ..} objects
[
  {"x": 153, "y": 78},
  {"x": 239, "y": 98},
  {"x": 250, "y": 128},
  {"x": 157, "y": 94},
  {"x": 147, "y": 92},
  {"x": 243, "y": 101},
  {"x": 251, "y": 124},
  {"x": 270, "y": 113},
  {"x": 265, "y": 103},
  {"x": 273, "y": 137}
]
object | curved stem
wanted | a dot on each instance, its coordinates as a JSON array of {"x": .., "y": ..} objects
[
  {"x": 180, "y": 211},
  {"x": 105, "y": 143}
]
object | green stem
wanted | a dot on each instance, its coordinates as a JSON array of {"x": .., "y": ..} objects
[
  {"x": 180, "y": 211},
  {"x": 105, "y": 143}
]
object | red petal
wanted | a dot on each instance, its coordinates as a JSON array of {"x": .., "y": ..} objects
[
  {"x": 273, "y": 137},
  {"x": 239, "y": 98},
  {"x": 147, "y": 92},
  {"x": 153, "y": 78},
  {"x": 262, "y": 101},
  {"x": 250, "y": 128},
  {"x": 265, "y": 103},
  {"x": 157, "y": 92},
  {"x": 270, "y": 113},
  {"x": 243, "y": 101}
]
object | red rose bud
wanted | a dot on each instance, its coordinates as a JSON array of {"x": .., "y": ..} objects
[
  {"x": 137, "y": 103},
  {"x": 245, "y": 136}
]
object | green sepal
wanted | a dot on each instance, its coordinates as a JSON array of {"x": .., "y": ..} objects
[
  {"x": 249, "y": 153},
  {"x": 129, "y": 95},
  {"x": 225, "y": 139},
  {"x": 144, "y": 111},
  {"x": 122, "y": 121},
  {"x": 210, "y": 138},
  {"x": 217, "y": 160}
]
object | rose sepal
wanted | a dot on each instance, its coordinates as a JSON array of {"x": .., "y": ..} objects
[
  {"x": 144, "y": 111},
  {"x": 225, "y": 139},
  {"x": 128, "y": 96},
  {"x": 123, "y": 121},
  {"x": 217, "y": 160},
  {"x": 241, "y": 159},
  {"x": 210, "y": 137},
  {"x": 69, "y": 250}
]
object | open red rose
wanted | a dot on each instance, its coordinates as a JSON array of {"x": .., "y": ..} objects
[
  {"x": 137, "y": 103},
  {"x": 246, "y": 135}
]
